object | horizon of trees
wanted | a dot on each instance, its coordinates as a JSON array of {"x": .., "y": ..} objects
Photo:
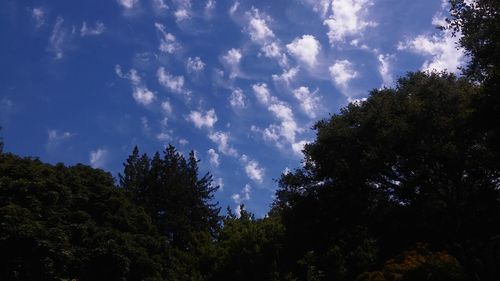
[{"x": 404, "y": 186}]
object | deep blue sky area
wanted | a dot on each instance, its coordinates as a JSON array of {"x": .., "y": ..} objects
[{"x": 239, "y": 82}]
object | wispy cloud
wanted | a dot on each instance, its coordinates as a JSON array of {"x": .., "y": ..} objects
[
  {"x": 253, "y": 169},
  {"x": 195, "y": 64},
  {"x": 55, "y": 138},
  {"x": 96, "y": 30},
  {"x": 309, "y": 101},
  {"x": 222, "y": 140},
  {"x": 140, "y": 92},
  {"x": 200, "y": 119},
  {"x": 305, "y": 49},
  {"x": 441, "y": 49},
  {"x": 98, "y": 157},
  {"x": 58, "y": 39},
  {"x": 213, "y": 157},
  {"x": 285, "y": 132},
  {"x": 128, "y": 4},
  {"x": 243, "y": 195},
  {"x": 237, "y": 99},
  {"x": 168, "y": 43},
  {"x": 39, "y": 16},
  {"x": 342, "y": 72},
  {"x": 232, "y": 60},
  {"x": 171, "y": 82},
  {"x": 348, "y": 18}
]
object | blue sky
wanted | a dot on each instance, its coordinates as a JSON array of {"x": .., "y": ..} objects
[{"x": 239, "y": 82}]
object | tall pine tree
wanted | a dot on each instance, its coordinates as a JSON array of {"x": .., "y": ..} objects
[{"x": 169, "y": 188}]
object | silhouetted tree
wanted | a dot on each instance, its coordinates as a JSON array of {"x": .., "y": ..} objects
[{"x": 169, "y": 188}]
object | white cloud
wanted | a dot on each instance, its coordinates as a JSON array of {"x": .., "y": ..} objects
[
  {"x": 213, "y": 157},
  {"x": 183, "y": 142},
  {"x": 271, "y": 50},
  {"x": 38, "y": 15},
  {"x": 441, "y": 51},
  {"x": 58, "y": 38},
  {"x": 195, "y": 64},
  {"x": 98, "y": 158},
  {"x": 299, "y": 146},
  {"x": 233, "y": 56},
  {"x": 145, "y": 125},
  {"x": 342, "y": 73},
  {"x": 140, "y": 92},
  {"x": 252, "y": 169},
  {"x": 98, "y": 29},
  {"x": 168, "y": 44},
  {"x": 222, "y": 141},
  {"x": 55, "y": 138},
  {"x": 257, "y": 27},
  {"x": 309, "y": 101},
  {"x": 143, "y": 95},
  {"x": 232, "y": 59},
  {"x": 220, "y": 183},
  {"x": 210, "y": 6},
  {"x": 237, "y": 99},
  {"x": 233, "y": 8},
  {"x": 243, "y": 195},
  {"x": 163, "y": 136},
  {"x": 181, "y": 14},
  {"x": 127, "y": 4},
  {"x": 183, "y": 10},
  {"x": 347, "y": 19},
  {"x": 262, "y": 93},
  {"x": 167, "y": 107},
  {"x": 160, "y": 5},
  {"x": 320, "y": 6},
  {"x": 288, "y": 128},
  {"x": 203, "y": 120},
  {"x": 172, "y": 83},
  {"x": 305, "y": 49},
  {"x": 384, "y": 69},
  {"x": 132, "y": 75},
  {"x": 287, "y": 76}
]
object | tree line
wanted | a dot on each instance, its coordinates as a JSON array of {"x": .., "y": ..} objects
[{"x": 403, "y": 186}]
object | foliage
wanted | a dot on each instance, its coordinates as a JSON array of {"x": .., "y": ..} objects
[
  {"x": 478, "y": 22},
  {"x": 248, "y": 248},
  {"x": 169, "y": 189},
  {"x": 418, "y": 264},
  {"x": 62, "y": 222},
  {"x": 404, "y": 161}
]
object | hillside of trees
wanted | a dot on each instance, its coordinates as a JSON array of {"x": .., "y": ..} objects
[{"x": 404, "y": 186}]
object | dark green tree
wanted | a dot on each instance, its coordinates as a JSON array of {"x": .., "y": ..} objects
[
  {"x": 402, "y": 167},
  {"x": 65, "y": 223},
  {"x": 170, "y": 189},
  {"x": 478, "y": 22}
]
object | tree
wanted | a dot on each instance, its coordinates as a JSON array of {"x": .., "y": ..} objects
[
  {"x": 1, "y": 142},
  {"x": 169, "y": 188},
  {"x": 405, "y": 161},
  {"x": 478, "y": 22},
  {"x": 418, "y": 264},
  {"x": 65, "y": 223}
]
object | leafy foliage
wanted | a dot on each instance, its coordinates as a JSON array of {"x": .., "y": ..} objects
[
  {"x": 62, "y": 223},
  {"x": 404, "y": 161}
]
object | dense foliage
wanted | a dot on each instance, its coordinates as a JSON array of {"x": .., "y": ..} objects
[
  {"x": 404, "y": 186},
  {"x": 60, "y": 223}
]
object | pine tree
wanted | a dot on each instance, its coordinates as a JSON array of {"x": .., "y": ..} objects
[{"x": 169, "y": 188}]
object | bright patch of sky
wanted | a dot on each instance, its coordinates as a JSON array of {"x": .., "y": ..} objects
[{"x": 240, "y": 82}]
